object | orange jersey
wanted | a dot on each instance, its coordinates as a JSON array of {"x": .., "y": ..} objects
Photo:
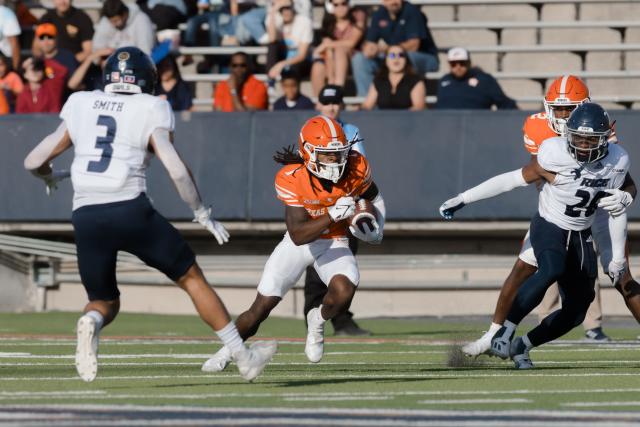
[
  {"x": 298, "y": 187},
  {"x": 535, "y": 130}
]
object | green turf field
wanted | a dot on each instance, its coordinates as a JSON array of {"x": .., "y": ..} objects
[{"x": 155, "y": 360}]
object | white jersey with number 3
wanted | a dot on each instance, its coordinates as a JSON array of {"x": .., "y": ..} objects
[
  {"x": 110, "y": 134},
  {"x": 571, "y": 200}
]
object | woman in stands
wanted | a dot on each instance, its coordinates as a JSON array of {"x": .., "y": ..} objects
[
  {"x": 342, "y": 31},
  {"x": 397, "y": 86},
  {"x": 171, "y": 86}
]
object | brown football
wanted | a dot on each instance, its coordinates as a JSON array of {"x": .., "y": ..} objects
[{"x": 364, "y": 216}]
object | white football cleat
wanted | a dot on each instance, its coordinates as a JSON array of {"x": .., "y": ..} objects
[
  {"x": 87, "y": 348},
  {"x": 314, "y": 348},
  {"x": 480, "y": 346},
  {"x": 218, "y": 362},
  {"x": 253, "y": 360}
]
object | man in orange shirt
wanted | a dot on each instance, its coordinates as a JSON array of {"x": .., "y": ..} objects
[
  {"x": 319, "y": 186},
  {"x": 241, "y": 91}
]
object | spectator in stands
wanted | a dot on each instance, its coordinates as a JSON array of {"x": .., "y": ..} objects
[
  {"x": 123, "y": 25},
  {"x": 251, "y": 24},
  {"x": 9, "y": 32},
  {"x": 292, "y": 99},
  {"x": 10, "y": 82},
  {"x": 397, "y": 23},
  {"x": 289, "y": 41},
  {"x": 467, "y": 87},
  {"x": 75, "y": 29},
  {"x": 45, "y": 45},
  {"x": 171, "y": 86},
  {"x": 241, "y": 91},
  {"x": 166, "y": 14},
  {"x": 88, "y": 75},
  {"x": 340, "y": 36},
  {"x": 26, "y": 20},
  {"x": 42, "y": 91},
  {"x": 396, "y": 86}
]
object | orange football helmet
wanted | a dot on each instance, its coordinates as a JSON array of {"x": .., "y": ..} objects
[
  {"x": 324, "y": 147},
  {"x": 565, "y": 91}
]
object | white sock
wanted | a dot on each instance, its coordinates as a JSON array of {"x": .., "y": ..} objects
[
  {"x": 527, "y": 342},
  {"x": 316, "y": 317},
  {"x": 494, "y": 327},
  {"x": 231, "y": 338},
  {"x": 99, "y": 318}
]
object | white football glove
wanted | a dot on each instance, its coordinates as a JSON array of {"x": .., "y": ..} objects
[
  {"x": 373, "y": 237},
  {"x": 343, "y": 209},
  {"x": 203, "y": 216},
  {"x": 448, "y": 208},
  {"x": 616, "y": 269},
  {"x": 52, "y": 179},
  {"x": 617, "y": 203}
]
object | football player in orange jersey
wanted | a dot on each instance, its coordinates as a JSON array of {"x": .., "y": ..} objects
[
  {"x": 563, "y": 96},
  {"x": 319, "y": 186}
]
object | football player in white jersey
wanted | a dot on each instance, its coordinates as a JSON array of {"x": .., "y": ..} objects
[
  {"x": 578, "y": 171},
  {"x": 113, "y": 134}
]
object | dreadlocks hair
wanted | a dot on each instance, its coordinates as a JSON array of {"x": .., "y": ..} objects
[{"x": 288, "y": 156}]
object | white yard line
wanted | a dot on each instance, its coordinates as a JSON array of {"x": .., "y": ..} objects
[
  {"x": 600, "y": 404},
  {"x": 472, "y": 401},
  {"x": 508, "y": 373},
  {"x": 495, "y": 363},
  {"x": 312, "y": 395}
]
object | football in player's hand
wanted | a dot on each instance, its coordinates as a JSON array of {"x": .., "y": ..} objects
[{"x": 364, "y": 219}]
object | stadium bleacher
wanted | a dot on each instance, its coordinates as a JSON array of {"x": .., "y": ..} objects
[{"x": 524, "y": 43}]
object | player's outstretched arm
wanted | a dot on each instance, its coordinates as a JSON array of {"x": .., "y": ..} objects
[
  {"x": 495, "y": 186},
  {"x": 618, "y": 233},
  {"x": 303, "y": 229},
  {"x": 183, "y": 180},
  {"x": 37, "y": 161}
]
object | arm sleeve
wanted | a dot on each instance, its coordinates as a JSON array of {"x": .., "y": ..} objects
[
  {"x": 162, "y": 118},
  {"x": 618, "y": 233},
  {"x": 176, "y": 168},
  {"x": 492, "y": 187},
  {"x": 378, "y": 203},
  {"x": 39, "y": 155}
]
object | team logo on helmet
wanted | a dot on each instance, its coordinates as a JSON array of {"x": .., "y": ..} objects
[{"x": 123, "y": 56}]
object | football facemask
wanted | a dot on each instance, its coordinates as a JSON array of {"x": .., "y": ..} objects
[
  {"x": 328, "y": 162},
  {"x": 587, "y": 146}
]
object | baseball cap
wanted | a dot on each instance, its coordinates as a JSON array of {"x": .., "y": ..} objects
[
  {"x": 46, "y": 29},
  {"x": 331, "y": 94},
  {"x": 457, "y": 54}
]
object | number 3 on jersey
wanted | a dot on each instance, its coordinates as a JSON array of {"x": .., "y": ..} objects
[
  {"x": 585, "y": 203},
  {"x": 104, "y": 143}
]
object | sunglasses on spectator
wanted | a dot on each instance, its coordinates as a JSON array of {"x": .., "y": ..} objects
[
  {"x": 456, "y": 63},
  {"x": 344, "y": 3},
  {"x": 46, "y": 37},
  {"x": 239, "y": 65},
  {"x": 396, "y": 55},
  {"x": 283, "y": 8}
]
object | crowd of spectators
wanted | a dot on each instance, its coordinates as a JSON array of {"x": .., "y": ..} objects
[{"x": 380, "y": 56}]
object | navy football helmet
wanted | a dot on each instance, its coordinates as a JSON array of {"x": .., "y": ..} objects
[
  {"x": 588, "y": 131},
  {"x": 129, "y": 70}
]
